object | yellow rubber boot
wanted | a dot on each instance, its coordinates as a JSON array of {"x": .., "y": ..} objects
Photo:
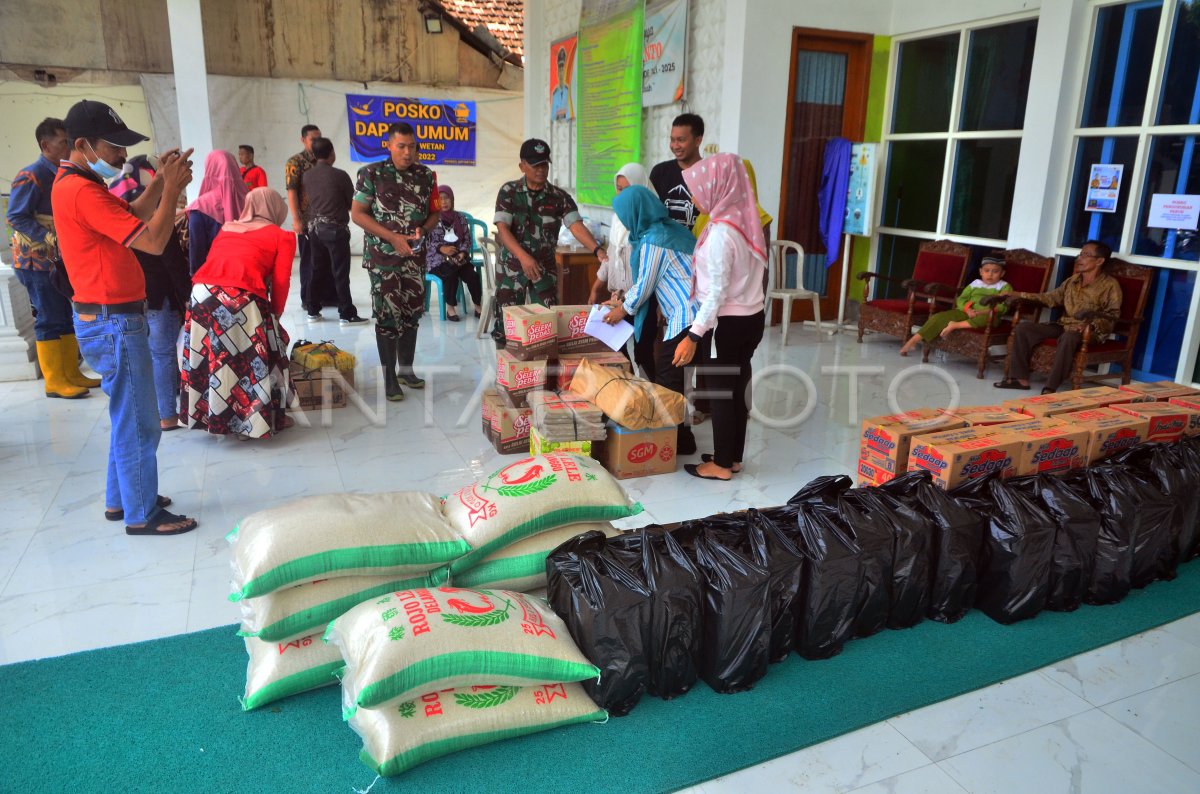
[
  {"x": 71, "y": 364},
  {"x": 50, "y": 358}
]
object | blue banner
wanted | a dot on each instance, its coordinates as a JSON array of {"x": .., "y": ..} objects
[{"x": 445, "y": 129}]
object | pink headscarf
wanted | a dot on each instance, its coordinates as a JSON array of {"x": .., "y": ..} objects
[
  {"x": 222, "y": 191},
  {"x": 720, "y": 185},
  {"x": 264, "y": 207}
]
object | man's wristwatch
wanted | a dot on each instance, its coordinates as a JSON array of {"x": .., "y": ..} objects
[{"x": 596, "y": 250}]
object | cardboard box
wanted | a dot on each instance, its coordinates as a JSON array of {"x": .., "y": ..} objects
[
  {"x": 1053, "y": 448},
  {"x": 530, "y": 332},
  {"x": 540, "y": 446},
  {"x": 515, "y": 377},
  {"x": 955, "y": 456},
  {"x": 1159, "y": 390},
  {"x": 572, "y": 339},
  {"x": 638, "y": 453},
  {"x": 884, "y": 440},
  {"x": 1109, "y": 431},
  {"x": 1167, "y": 422},
  {"x": 489, "y": 404},
  {"x": 510, "y": 429},
  {"x": 1046, "y": 404},
  {"x": 870, "y": 474},
  {"x": 1098, "y": 396},
  {"x": 317, "y": 388},
  {"x": 985, "y": 415},
  {"x": 560, "y": 374},
  {"x": 1190, "y": 401}
]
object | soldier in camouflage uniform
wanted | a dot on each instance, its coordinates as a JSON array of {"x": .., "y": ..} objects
[
  {"x": 396, "y": 203},
  {"x": 529, "y": 214}
]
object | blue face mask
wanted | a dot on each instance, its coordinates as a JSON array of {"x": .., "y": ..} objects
[{"x": 102, "y": 167}]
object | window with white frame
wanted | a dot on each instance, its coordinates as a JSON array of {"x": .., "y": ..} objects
[
  {"x": 953, "y": 138},
  {"x": 1140, "y": 109}
]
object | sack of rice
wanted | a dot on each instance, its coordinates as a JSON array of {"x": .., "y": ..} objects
[
  {"x": 399, "y": 736},
  {"x": 533, "y": 495},
  {"x": 279, "y": 669},
  {"x": 286, "y": 613},
  {"x": 521, "y": 566},
  {"x": 631, "y": 402},
  {"x": 427, "y": 640},
  {"x": 398, "y": 534}
]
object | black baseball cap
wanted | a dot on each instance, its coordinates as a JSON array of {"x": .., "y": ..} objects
[
  {"x": 90, "y": 119},
  {"x": 535, "y": 151}
]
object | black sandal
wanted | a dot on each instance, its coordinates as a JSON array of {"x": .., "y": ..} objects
[
  {"x": 694, "y": 470},
  {"x": 162, "y": 518},
  {"x": 707, "y": 457},
  {"x": 1010, "y": 383},
  {"x": 117, "y": 515}
]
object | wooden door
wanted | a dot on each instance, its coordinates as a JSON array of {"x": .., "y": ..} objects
[{"x": 827, "y": 98}]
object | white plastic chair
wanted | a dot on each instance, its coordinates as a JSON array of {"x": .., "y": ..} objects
[
  {"x": 491, "y": 253},
  {"x": 777, "y": 275}
]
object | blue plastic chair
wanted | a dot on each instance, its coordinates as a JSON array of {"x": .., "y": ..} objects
[
  {"x": 479, "y": 230},
  {"x": 431, "y": 279}
]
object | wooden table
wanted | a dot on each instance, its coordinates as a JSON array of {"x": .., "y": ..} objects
[{"x": 577, "y": 269}]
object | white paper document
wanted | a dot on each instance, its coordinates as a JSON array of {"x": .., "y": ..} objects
[{"x": 615, "y": 336}]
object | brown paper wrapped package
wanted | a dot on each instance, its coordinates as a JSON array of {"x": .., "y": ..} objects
[{"x": 631, "y": 402}]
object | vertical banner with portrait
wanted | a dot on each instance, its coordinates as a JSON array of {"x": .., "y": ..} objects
[
  {"x": 1104, "y": 188},
  {"x": 664, "y": 52},
  {"x": 562, "y": 78}
]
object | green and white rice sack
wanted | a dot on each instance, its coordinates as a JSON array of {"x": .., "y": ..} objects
[
  {"x": 279, "y": 669},
  {"x": 429, "y": 639},
  {"x": 533, "y": 495},
  {"x": 294, "y": 611},
  {"x": 402, "y": 734},
  {"x": 400, "y": 534},
  {"x": 521, "y": 566}
]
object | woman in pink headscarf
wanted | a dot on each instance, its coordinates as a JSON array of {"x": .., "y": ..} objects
[
  {"x": 730, "y": 259},
  {"x": 222, "y": 197}
]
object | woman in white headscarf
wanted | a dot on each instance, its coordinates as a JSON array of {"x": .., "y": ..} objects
[{"x": 616, "y": 276}]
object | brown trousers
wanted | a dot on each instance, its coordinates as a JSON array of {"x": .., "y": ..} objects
[{"x": 1027, "y": 336}]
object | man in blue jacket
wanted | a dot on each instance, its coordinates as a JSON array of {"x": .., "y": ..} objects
[{"x": 34, "y": 249}]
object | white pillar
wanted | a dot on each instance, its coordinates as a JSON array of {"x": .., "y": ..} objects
[
  {"x": 17, "y": 355},
  {"x": 537, "y": 71},
  {"x": 727, "y": 133},
  {"x": 191, "y": 84},
  {"x": 1046, "y": 145}
]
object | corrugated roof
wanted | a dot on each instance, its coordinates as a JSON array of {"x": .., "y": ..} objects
[{"x": 504, "y": 19}]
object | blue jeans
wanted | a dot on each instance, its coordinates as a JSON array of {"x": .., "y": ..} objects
[
  {"x": 164, "y": 333},
  {"x": 52, "y": 307},
  {"x": 117, "y": 347}
]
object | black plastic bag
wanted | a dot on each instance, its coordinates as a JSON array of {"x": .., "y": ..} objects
[
  {"x": 822, "y": 490},
  {"x": 1014, "y": 580},
  {"x": 606, "y": 608},
  {"x": 912, "y": 549},
  {"x": 1117, "y": 507},
  {"x": 761, "y": 539},
  {"x": 828, "y": 602},
  {"x": 736, "y": 644},
  {"x": 676, "y": 610},
  {"x": 1154, "y": 544},
  {"x": 1184, "y": 456},
  {"x": 864, "y": 515},
  {"x": 1077, "y": 529}
]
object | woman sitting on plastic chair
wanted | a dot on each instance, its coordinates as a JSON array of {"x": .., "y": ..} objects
[{"x": 449, "y": 255}]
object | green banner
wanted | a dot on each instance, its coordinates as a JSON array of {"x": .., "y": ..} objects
[{"x": 610, "y": 96}]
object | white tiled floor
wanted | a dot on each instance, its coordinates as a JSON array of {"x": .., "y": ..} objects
[{"x": 1120, "y": 719}]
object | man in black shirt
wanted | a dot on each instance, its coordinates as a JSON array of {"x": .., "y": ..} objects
[
  {"x": 330, "y": 192},
  {"x": 687, "y": 133}
]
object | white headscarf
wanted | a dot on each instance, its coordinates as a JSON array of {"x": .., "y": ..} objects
[{"x": 616, "y": 272}]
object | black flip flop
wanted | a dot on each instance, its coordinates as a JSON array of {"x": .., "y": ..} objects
[
  {"x": 117, "y": 515},
  {"x": 1048, "y": 390},
  {"x": 1010, "y": 383},
  {"x": 694, "y": 470},
  {"x": 707, "y": 457},
  {"x": 161, "y": 518}
]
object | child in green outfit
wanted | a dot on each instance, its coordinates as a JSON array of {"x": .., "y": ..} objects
[{"x": 965, "y": 314}]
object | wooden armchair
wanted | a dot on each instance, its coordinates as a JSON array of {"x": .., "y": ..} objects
[
  {"x": 1117, "y": 349},
  {"x": 938, "y": 272},
  {"x": 1026, "y": 272}
]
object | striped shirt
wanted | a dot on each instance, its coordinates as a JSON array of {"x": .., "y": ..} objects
[{"x": 668, "y": 274}]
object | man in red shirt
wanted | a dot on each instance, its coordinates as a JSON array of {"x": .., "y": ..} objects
[
  {"x": 254, "y": 175},
  {"x": 96, "y": 231}
]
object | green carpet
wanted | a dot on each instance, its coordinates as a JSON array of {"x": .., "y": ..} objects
[{"x": 164, "y": 716}]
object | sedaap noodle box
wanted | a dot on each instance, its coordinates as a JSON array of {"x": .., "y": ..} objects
[
  {"x": 1109, "y": 431},
  {"x": 1166, "y": 422},
  {"x": 530, "y": 332},
  {"x": 1051, "y": 447},
  {"x": 1046, "y": 404},
  {"x": 870, "y": 474},
  {"x": 884, "y": 440},
  {"x": 572, "y": 339},
  {"x": 985, "y": 415},
  {"x": 955, "y": 456},
  {"x": 1158, "y": 390},
  {"x": 515, "y": 378},
  {"x": 1098, "y": 396},
  {"x": 510, "y": 429},
  {"x": 489, "y": 403}
]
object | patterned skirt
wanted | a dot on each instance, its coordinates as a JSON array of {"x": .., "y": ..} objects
[{"x": 234, "y": 367}]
